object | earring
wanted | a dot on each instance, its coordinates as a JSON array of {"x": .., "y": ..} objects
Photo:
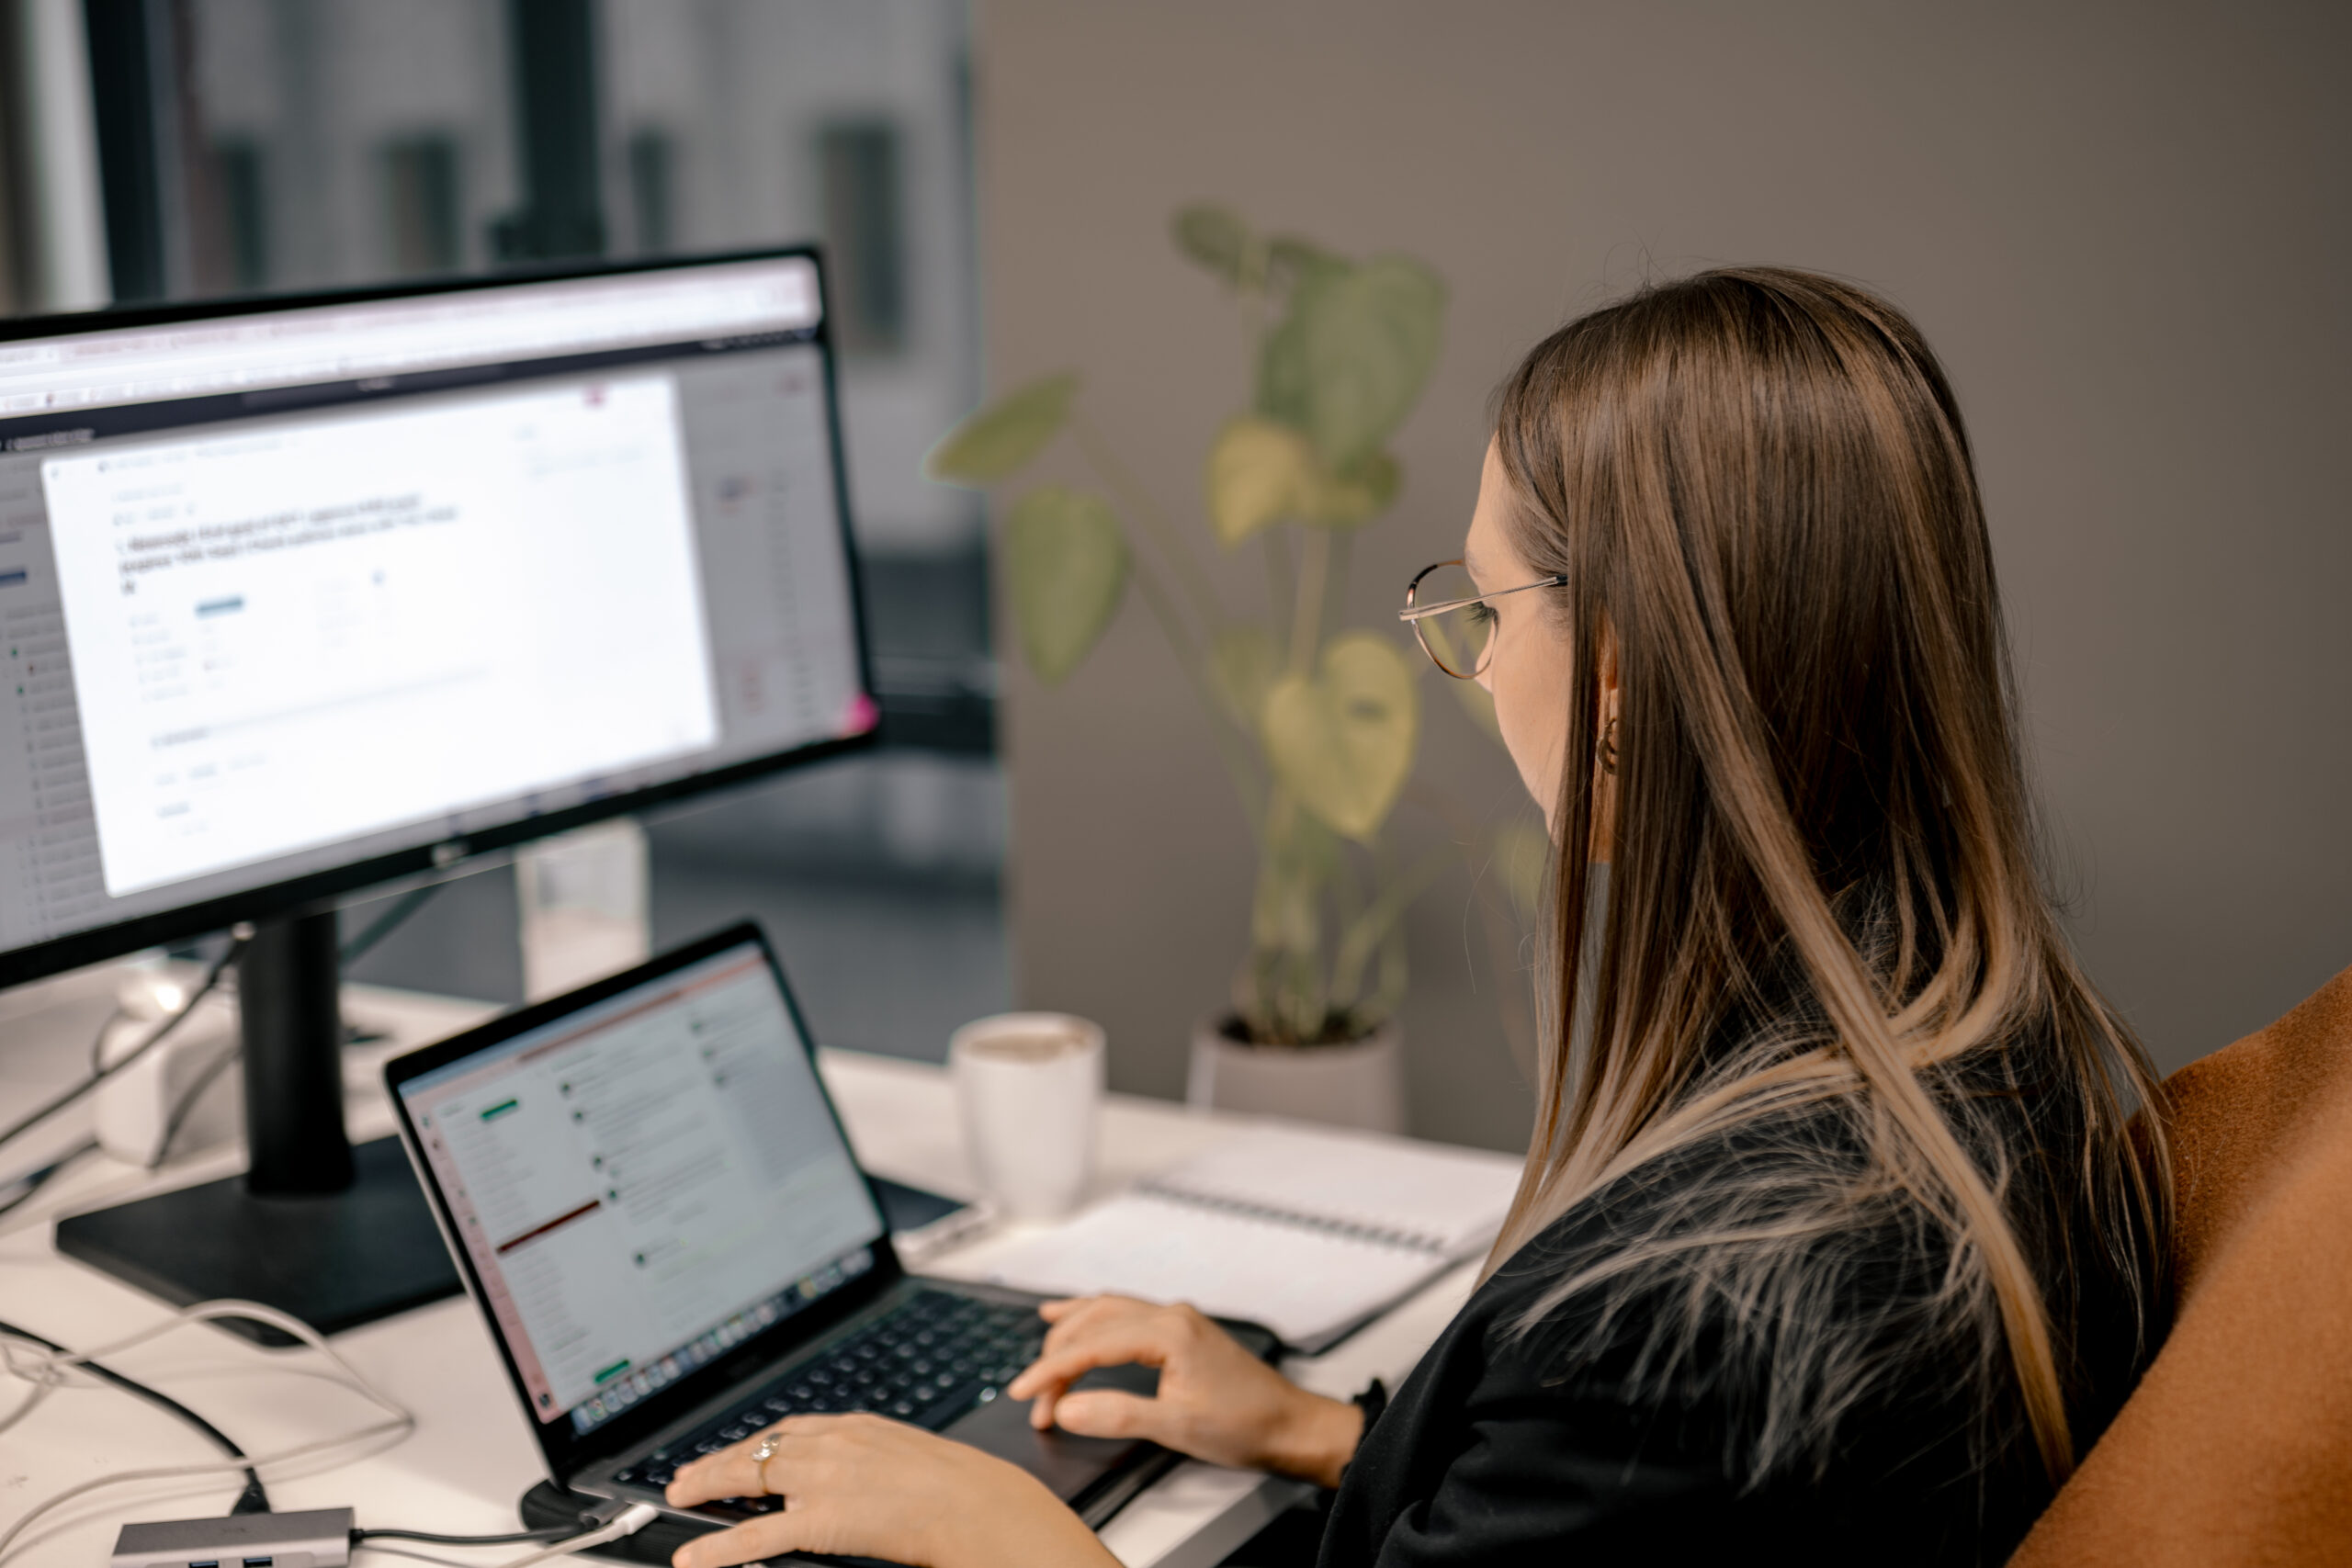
[{"x": 1608, "y": 748}]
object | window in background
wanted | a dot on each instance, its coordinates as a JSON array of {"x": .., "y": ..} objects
[
  {"x": 291, "y": 144},
  {"x": 421, "y": 211},
  {"x": 651, "y": 203},
  {"x": 858, "y": 172},
  {"x": 245, "y": 212}
]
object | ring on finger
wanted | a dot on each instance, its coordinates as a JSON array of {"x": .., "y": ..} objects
[{"x": 762, "y": 1451}]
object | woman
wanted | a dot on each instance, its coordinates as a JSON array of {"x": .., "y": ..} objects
[{"x": 1831, "y": 1241}]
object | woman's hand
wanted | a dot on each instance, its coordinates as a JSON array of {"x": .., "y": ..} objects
[
  {"x": 1216, "y": 1400},
  {"x": 865, "y": 1486}
]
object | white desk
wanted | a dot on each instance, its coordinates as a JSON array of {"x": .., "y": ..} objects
[{"x": 472, "y": 1456}]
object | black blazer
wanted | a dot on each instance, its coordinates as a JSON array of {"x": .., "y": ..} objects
[{"x": 1489, "y": 1454}]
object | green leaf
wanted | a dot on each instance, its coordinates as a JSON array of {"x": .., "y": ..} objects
[
  {"x": 1262, "y": 473},
  {"x": 1359, "y": 495},
  {"x": 1351, "y": 354},
  {"x": 1286, "y": 915},
  {"x": 1066, "y": 565},
  {"x": 1342, "y": 738},
  {"x": 1241, "y": 668},
  {"x": 1259, "y": 472},
  {"x": 1218, "y": 240},
  {"x": 1004, "y": 436},
  {"x": 1290, "y": 258}
]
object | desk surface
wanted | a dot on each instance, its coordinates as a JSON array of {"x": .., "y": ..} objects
[{"x": 471, "y": 1455}]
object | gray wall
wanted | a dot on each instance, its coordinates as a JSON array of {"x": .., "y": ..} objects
[{"x": 2123, "y": 225}]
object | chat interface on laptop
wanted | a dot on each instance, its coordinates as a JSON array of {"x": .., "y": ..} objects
[{"x": 644, "y": 1183}]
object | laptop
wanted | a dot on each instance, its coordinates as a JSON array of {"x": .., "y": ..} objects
[{"x": 649, "y": 1197}]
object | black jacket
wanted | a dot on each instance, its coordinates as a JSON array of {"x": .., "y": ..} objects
[{"x": 1548, "y": 1447}]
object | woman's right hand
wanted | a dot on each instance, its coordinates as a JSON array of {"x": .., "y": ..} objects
[{"x": 1216, "y": 1400}]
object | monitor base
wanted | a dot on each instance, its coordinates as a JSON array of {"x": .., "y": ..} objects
[{"x": 334, "y": 1259}]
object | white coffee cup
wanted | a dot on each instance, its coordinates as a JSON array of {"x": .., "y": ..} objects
[{"x": 1029, "y": 1085}]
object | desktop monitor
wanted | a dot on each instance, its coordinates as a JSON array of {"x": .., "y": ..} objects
[{"x": 305, "y": 594}]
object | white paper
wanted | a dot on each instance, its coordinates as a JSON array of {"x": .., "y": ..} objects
[
  {"x": 1308, "y": 1232},
  {"x": 1445, "y": 1201}
]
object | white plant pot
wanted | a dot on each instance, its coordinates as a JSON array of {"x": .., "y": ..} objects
[{"x": 1360, "y": 1084}]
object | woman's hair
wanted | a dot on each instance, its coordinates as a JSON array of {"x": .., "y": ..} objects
[{"x": 1823, "y": 928}]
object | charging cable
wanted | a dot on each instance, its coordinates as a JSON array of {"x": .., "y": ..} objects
[
  {"x": 253, "y": 1500},
  {"x": 559, "y": 1540},
  {"x": 633, "y": 1518},
  {"x": 48, "y": 1370}
]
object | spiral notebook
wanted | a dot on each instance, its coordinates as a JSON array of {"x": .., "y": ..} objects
[{"x": 1311, "y": 1232}]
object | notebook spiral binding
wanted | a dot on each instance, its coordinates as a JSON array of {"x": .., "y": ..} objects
[{"x": 1415, "y": 1241}]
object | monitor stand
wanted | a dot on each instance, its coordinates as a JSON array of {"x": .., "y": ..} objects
[{"x": 334, "y": 1235}]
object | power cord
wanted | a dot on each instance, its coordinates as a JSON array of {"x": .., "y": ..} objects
[
  {"x": 597, "y": 1527},
  {"x": 633, "y": 1518},
  {"x": 511, "y": 1538},
  {"x": 239, "y": 937},
  {"x": 26, "y": 1187},
  {"x": 252, "y": 1500},
  {"x": 408, "y": 904},
  {"x": 47, "y": 1371},
  {"x": 383, "y": 926}
]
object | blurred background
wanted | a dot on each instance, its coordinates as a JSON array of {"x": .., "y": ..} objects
[
  {"x": 2123, "y": 225},
  {"x": 170, "y": 149}
]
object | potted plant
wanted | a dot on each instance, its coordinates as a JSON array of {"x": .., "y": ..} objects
[{"x": 1316, "y": 725}]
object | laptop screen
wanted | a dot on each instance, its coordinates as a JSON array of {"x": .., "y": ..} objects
[{"x": 645, "y": 1182}]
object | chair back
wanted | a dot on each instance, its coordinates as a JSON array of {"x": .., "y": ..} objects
[{"x": 2237, "y": 1447}]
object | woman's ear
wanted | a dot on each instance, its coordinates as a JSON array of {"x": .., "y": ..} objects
[
  {"x": 1604, "y": 773},
  {"x": 1608, "y": 673}
]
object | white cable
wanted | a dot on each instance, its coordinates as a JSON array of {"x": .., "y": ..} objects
[
  {"x": 48, "y": 1370},
  {"x": 631, "y": 1519}
]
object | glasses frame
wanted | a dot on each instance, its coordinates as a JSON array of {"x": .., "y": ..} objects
[{"x": 1414, "y": 613}]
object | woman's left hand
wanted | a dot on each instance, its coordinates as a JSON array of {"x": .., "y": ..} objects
[{"x": 865, "y": 1486}]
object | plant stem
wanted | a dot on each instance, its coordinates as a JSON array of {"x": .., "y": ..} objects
[
  {"x": 1138, "y": 502},
  {"x": 1187, "y": 658},
  {"x": 1368, "y": 930},
  {"x": 1280, "y": 583},
  {"x": 1335, "y": 592},
  {"x": 1306, "y": 620}
]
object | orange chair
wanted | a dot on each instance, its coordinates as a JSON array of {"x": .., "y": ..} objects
[{"x": 2237, "y": 1447}]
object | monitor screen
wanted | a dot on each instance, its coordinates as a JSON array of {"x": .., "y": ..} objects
[
  {"x": 645, "y": 1183},
  {"x": 337, "y": 591}
]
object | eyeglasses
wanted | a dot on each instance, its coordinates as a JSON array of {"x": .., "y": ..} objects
[{"x": 1446, "y": 611}]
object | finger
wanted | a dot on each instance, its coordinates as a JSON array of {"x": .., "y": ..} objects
[
  {"x": 1148, "y": 1341},
  {"x": 733, "y": 1473},
  {"x": 1090, "y": 1313},
  {"x": 1086, "y": 1313},
  {"x": 1105, "y": 1412},
  {"x": 771, "y": 1535}
]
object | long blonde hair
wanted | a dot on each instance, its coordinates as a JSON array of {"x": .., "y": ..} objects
[{"x": 1822, "y": 906}]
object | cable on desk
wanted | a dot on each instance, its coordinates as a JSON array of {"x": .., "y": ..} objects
[
  {"x": 554, "y": 1542},
  {"x": 633, "y": 1518},
  {"x": 237, "y": 941},
  {"x": 252, "y": 1500},
  {"x": 27, "y": 1186},
  {"x": 383, "y": 927},
  {"x": 186, "y": 1107},
  {"x": 42, "y": 1371},
  {"x": 511, "y": 1538}
]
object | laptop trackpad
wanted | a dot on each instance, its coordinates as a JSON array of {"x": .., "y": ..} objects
[{"x": 1068, "y": 1463}]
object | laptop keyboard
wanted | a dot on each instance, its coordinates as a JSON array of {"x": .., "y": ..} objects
[{"x": 927, "y": 1362}]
